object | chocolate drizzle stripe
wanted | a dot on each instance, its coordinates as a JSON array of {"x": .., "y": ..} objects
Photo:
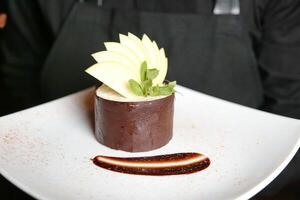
[{"x": 171, "y": 164}]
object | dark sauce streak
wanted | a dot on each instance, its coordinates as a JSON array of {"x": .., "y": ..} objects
[
  {"x": 190, "y": 167},
  {"x": 162, "y": 158}
]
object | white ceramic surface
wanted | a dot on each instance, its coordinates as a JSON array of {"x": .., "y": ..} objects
[{"x": 46, "y": 151}]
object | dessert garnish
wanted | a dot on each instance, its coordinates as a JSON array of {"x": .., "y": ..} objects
[
  {"x": 170, "y": 164},
  {"x": 133, "y": 67},
  {"x": 146, "y": 87}
]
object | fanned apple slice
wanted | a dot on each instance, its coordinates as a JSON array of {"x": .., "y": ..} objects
[
  {"x": 157, "y": 59},
  {"x": 111, "y": 56},
  {"x": 119, "y": 48},
  {"x": 162, "y": 69},
  {"x": 139, "y": 41},
  {"x": 150, "y": 51},
  {"x": 114, "y": 76},
  {"x": 135, "y": 46}
]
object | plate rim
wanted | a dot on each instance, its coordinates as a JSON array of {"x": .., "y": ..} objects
[{"x": 246, "y": 195}]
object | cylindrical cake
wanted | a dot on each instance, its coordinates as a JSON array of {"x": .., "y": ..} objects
[{"x": 133, "y": 125}]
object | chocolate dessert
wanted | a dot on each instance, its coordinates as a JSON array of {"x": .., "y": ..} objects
[
  {"x": 133, "y": 125},
  {"x": 134, "y": 106}
]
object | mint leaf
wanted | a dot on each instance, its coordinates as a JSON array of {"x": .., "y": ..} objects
[
  {"x": 166, "y": 90},
  {"x": 151, "y": 74},
  {"x": 154, "y": 91},
  {"x": 146, "y": 88},
  {"x": 146, "y": 85},
  {"x": 135, "y": 87},
  {"x": 143, "y": 71}
]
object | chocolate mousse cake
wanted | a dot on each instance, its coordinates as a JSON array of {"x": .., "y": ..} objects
[
  {"x": 134, "y": 106},
  {"x": 133, "y": 125}
]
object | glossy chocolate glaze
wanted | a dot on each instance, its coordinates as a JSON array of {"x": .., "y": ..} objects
[
  {"x": 171, "y": 164},
  {"x": 134, "y": 126}
]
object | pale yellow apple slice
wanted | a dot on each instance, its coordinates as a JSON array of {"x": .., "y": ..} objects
[
  {"x": 140, "y": 43},
  {"x": 150, "y": 51},
  {"x": 112, "y": 56},
  {"x": 119, "y": 48},
  {"x": 163, "y": 67},
  {"x": 160, "y": 64},
  {"x": 157, "y": 60},
  {"x": 114, "y": 76},
  {"x": 135, "y": 46}
]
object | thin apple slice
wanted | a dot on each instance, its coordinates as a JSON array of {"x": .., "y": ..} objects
[
  {"x": 111, "y": 56},
  {"x": 140, "y": 43},
  {"x": 114, "y": 76},
  {"x": 119, "y": 48},
  {"x": 163, "y": 67},
  {"x": 135, "y": 46},
  {"x": 157, "y": 60},
  {"x": 150, "y": 51}
]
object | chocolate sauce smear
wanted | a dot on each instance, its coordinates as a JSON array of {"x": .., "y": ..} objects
[{"x": 170, "y": 164}]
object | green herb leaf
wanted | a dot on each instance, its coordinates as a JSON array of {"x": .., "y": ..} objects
[
  {"x": 135, "y": 87},
  {"x": 146, "y": 88},
  {"x": 143, "y": 71},
  {"x": 146, "y": 85},
  {"x": 154, "y": 91},
  {"x": 162, "y": 90},
  {"x": 151, "y": 74},
  {"x": 166, "y": 90}
]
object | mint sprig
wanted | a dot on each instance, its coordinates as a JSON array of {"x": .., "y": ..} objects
[
  {"x": 135, "y": 87},
  {"x": 146, "y": 87}
]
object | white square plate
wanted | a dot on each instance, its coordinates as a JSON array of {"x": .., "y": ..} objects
[{"x": 46, "y": 151}]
